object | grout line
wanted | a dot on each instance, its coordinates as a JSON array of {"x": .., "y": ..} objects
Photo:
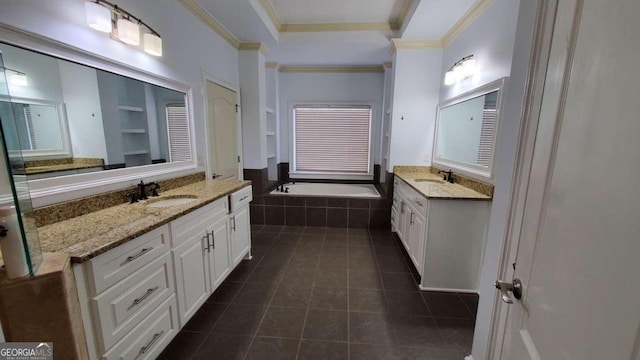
[{"x": 306, "y": 315}]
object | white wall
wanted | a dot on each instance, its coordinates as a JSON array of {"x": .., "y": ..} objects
[
  {"x": 329, "y": 88},
  {"x": 490, "y": 38},
  {"x": 189, "y": 46},
  {"x": 253, "y": 96},
  {"x": 415, "y": 99},
  {"x": 82, "y": 100}
]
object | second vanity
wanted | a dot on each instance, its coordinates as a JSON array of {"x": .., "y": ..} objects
[
  {"x": 442, "y": 226},
  {"x": 143, "y": 270}
]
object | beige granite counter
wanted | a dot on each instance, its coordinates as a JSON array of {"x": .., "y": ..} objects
[
  {"x": 440, "y": 191},
  {"x": 87, "y": 236}
]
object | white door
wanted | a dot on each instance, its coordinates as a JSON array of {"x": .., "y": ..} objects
[
  {"x": 192, "y": 277},
  {"x": 578, "y": 244},
  {"x": 219, "y": 258},
  {"x": 223, "y": 131},
  {"x": 241, "y": 234}
]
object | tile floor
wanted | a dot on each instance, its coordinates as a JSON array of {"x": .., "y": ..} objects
[{"x": 325, "y": 293}]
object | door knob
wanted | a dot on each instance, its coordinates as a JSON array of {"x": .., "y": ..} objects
[{"x": 505, "y": 288}]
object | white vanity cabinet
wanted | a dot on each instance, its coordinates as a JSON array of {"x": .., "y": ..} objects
[
  {"x": 444, "y": 237},
  {"x": 196, "y": 267},
  {"x": 240, "y": 224},
  {"x": 136, "y": 297}
]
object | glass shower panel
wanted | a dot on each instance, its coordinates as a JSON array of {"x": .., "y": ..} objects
[{"x": 15, "y": 201}]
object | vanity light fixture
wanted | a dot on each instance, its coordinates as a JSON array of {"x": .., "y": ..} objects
[
  {"x": 461, "y": 70},
  {"x": 123, "y": 26},
  {"x": 18, "y": 78}
]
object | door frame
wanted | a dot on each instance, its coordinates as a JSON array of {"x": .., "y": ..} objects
[
  {"x": 546, "y": 57},
  {"x": 208, "y": 77}
]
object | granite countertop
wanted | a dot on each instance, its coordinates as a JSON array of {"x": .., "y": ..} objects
[
  {"x": 438, "y": 191},
  {"x": 87, "y": 236}
]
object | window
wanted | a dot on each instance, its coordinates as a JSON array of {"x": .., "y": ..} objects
[
  {"x": 332, "y": 139},
  {"x": 179, "y": 140}
]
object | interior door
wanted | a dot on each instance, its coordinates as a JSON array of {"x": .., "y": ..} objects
[
  {"x": 223, "y": 131},
  {"x": 578, "y": 249}
]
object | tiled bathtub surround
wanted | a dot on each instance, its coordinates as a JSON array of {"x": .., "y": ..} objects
[
  {"x": 321, "y": 211},
  {"x": 59, "y": 212}
]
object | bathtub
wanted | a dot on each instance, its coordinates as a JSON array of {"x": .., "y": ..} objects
[{"x": 365, "y": 191}]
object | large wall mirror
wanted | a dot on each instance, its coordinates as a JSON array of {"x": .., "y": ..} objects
[
  {"x": 466, "y": 130},
  {"x": 81, "y": 125}
]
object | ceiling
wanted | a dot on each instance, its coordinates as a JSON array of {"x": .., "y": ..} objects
[
  {"x": 336, "y": 32},
  {"x": 337, "y": 11}
]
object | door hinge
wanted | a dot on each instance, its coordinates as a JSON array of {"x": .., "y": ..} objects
[
  {"x": 237, "y": 107},
  {"x": 238, "y": 158}
]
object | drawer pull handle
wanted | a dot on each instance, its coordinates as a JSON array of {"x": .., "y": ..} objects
[
  {"x": 143, "y": 297},
  {"x": 213, "y": 240},
  {"x": 146, "y": 348},
  {"x": 142, "y": 252},
  {"x": 419, "y": 203},
  {"x": 243, "y": 198},
  {"x": 411, "y": 219},
  {"x": 233, "y": 223},
  {"x": 208, "y": 248}
]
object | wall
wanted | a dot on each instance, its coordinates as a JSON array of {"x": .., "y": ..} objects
[
  {"x": 415, "y": 99},
  {"x": 42, "y": 74},
  {"x": 330, "y": 88},
  {"x": 190, "y": 47},
  {"x": 490, "y": 38},
  {"x": 81, "y": 97},
  {"x": 254, "y": 104}
]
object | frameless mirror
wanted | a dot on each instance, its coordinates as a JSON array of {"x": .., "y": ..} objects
[
  {"x": 466, "y": 130},
  {"x": 74, "y": 119}
]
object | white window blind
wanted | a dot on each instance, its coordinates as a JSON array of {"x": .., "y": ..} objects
[
  {"x": 179, "y": 138},
  {"x": 487, "y": 132},
  {"x": 332, "y": 139}
]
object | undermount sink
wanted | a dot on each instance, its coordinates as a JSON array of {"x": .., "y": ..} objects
[
  {"x": 172, "y": 201},
  {"x": 435, "y": 181}
]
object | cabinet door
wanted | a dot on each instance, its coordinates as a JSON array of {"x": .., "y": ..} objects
[
  {"x": 418, "y": 235},
  {"x": 402, "y": 220},
  {"x": 192, "y": 275},
  {"x": 240, "y": 235},
  {"x": 219, "y": 259},
  {"x": 394, "y": 219}
]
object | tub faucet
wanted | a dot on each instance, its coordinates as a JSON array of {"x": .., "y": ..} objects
[{"x": 142, "y": 193}]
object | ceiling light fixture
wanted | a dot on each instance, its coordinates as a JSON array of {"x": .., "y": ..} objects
[
  {"x": 461, "y": 70},
  {"x": 18, "y": 78},
  {"x": 123, "y": 26}
]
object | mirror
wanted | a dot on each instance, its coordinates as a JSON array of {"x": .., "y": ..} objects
[
  {"x": 73, "y": 119},
  {"x": 466, "y": 130}
]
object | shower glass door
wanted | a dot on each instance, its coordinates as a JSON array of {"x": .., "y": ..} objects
[{"x": 15, "y": 201}]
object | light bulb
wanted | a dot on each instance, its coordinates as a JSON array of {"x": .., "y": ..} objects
[
  {"x": 128, "y": 32},
  {"x": 152, "y": 44},
  {"x": 18, "y": 79},
  {"x": 449, "y": 78},
  {"x": 458, "y": 72},
  {"x": 469, "y": 67},
  {"x": 98, "y": 16}
]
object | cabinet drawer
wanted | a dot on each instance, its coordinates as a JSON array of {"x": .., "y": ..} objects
[
  {"x": 195, "y": 223},
  {"x": 123, "y": 306},
  {"x": 114, "y": 265},
  {"x": 240, "y": 198},
  {"x": 150, "y": 337}
]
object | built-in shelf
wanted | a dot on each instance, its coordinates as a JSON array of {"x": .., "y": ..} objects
[
  {"x": 271, "y": 156},
  {"x": 271, "y": 133},
  {"x": 130, "y": 108},
  {"x": 134, "y": 131},
  {"x": 136, "y": 152},
  {"x": 270, "y": 111}
]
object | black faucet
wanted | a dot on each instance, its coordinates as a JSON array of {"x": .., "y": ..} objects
[
  {"x": 448, "y": 176},
  {"x": 142, "y": 193},
  {"x": 132, "y": 196},
  {"x": 154, "y": 188}
]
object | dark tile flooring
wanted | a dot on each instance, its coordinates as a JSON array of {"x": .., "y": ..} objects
[{"x": 324, "y": 293}]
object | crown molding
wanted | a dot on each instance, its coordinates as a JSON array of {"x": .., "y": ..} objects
[
  {"x": 398, "y": 44},
  {"x": 272, "y": 65},
  {"x": 271, "y": 12},
  {"x": 333, "y": 69},
  {"x": 476, "y": 10},
  {"x": 255, "y": 46},
  {"x": 384, "y": 26},
  {"x": 402, "y": 16},
  {"x": 209, "y": 20}
]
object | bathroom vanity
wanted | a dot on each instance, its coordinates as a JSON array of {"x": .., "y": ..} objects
[
  {"x": 143, "y": 270},
  {"x": 442, "y": 226}
]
